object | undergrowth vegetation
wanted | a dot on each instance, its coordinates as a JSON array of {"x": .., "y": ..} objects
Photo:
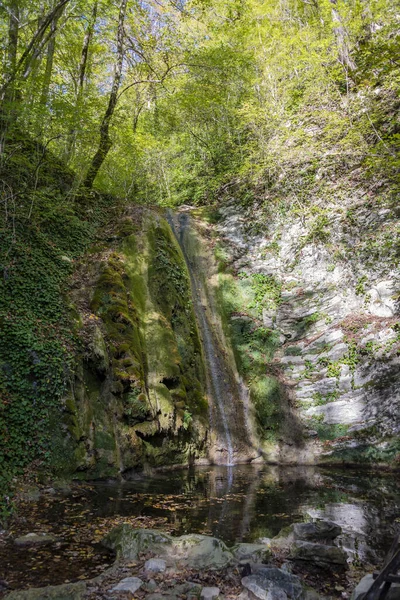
[{"x": 44, "y": 228}]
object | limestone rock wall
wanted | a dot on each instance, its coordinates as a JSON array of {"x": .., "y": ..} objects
[{"x": 325, "y": 285}]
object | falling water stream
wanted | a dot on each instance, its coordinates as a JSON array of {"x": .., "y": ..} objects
[{"x": 221, "y": 385}]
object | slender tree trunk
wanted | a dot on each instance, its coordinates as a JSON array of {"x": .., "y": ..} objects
[
  {"x": 81, "y": 80},
  {"x": 51, "y": 47},
  {"x": 85, "y": 51},
  {"x": 342, "y": 39},
  {"x": 105, "y": 142},
  {"x": 11, "y": 60}
]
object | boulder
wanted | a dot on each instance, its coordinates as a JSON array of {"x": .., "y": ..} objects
[
  {"x": 366, "y": 582},
  {"x": 192, "y": 551},
  {"x": 68, "y": 591},
  {"x": 200, "y": 552},
  {"x": 320, "y": 530},
  {"x": 129, "y": 584},
  {"x": 318, "y": 554},
  {"x": 35, "y": 539},
  {"x": 270, "y": 580},
  {"x": 128, "y": 542},
  {"x": 258, "y": 553}
]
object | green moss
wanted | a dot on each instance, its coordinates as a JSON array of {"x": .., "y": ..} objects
[{"x": 104, "y": 440}]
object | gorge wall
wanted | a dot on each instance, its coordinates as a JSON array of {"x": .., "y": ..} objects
[
  {"x": 156, "y": 382},
  {"x": 138, "y": 399},
  {"x": 311, "y": 305}
]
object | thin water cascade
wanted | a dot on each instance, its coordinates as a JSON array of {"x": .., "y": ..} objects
[{"x": 227, "y": 411}]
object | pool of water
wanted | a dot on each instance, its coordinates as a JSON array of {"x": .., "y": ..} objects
[{"x": 237, "y": 504}]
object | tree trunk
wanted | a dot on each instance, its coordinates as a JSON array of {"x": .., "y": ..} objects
[
  {"x": 81, "y": 81},
  {"x": 85, "y": 50},
  {"x": 11, "y": 60},
  {"x": 32, "y": 51},
  {"x": 342, "y": 39},
  {"x": 105, "y": 142},
  {"x": 49, "y": 61}
]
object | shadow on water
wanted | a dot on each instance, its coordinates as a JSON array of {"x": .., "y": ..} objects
[{"x": 242, "y": 503}]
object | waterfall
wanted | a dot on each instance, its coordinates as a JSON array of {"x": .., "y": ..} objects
[{"x": 227, "y": 411}]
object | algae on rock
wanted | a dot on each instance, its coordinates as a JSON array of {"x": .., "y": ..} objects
[{"x": 138, "y": 399}]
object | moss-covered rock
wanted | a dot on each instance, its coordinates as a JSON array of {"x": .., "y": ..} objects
[{"x": 138, "y": 399}]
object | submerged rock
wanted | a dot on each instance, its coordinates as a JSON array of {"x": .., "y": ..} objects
[
  {"x": 35, "y": 539},
  {"x": 319, "y": 554},
  {"x": 268, "y": 580}
]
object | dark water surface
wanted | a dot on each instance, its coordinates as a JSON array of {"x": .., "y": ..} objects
[{"x": 236, "y": 504}]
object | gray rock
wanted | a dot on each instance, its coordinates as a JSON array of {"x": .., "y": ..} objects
[
  {"x": 318, "y": 553},
  {"x": 253, "y": 552},
  {"x": 35, "y": 539},
  {"x": 128, "y": 542},
  {"x": 129, "y": 584},
  {"x": 268, "y": 579},
  {"x": 192, "y": 551},
  {"x": 68, "y": 591},
  {"x": 319, "y": 530},
  {"x": 254, "y": 590},
  {"x": 156, "y": 565},
  {"x": 366, "y": 582},
  {"x": 209, "y": 593},
  {"x": 200, "y": 552}
]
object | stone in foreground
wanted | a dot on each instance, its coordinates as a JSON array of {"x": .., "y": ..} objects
[
  {"x": 318, "y": 554},
  {"x": 209, "y": 593},
  {"x": 128, "y": 542},
  {"x": 155, "y": 565},
  {"x": 270, "y": 579},
  {"x": 192, "y": 551},
  {"x": 258, "y": 553},
  {"x": 129, "y": 584},
  {"x": 254, "y": 591}
]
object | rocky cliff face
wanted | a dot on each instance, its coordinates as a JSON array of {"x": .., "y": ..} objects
[
  {"x": 312, "y": 309},
  {"x": 138, "y": 399}
]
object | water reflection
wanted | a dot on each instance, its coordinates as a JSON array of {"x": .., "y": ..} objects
[
  {"x": 247, "y": 502},
  {"x": 242, "y": 503}
]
